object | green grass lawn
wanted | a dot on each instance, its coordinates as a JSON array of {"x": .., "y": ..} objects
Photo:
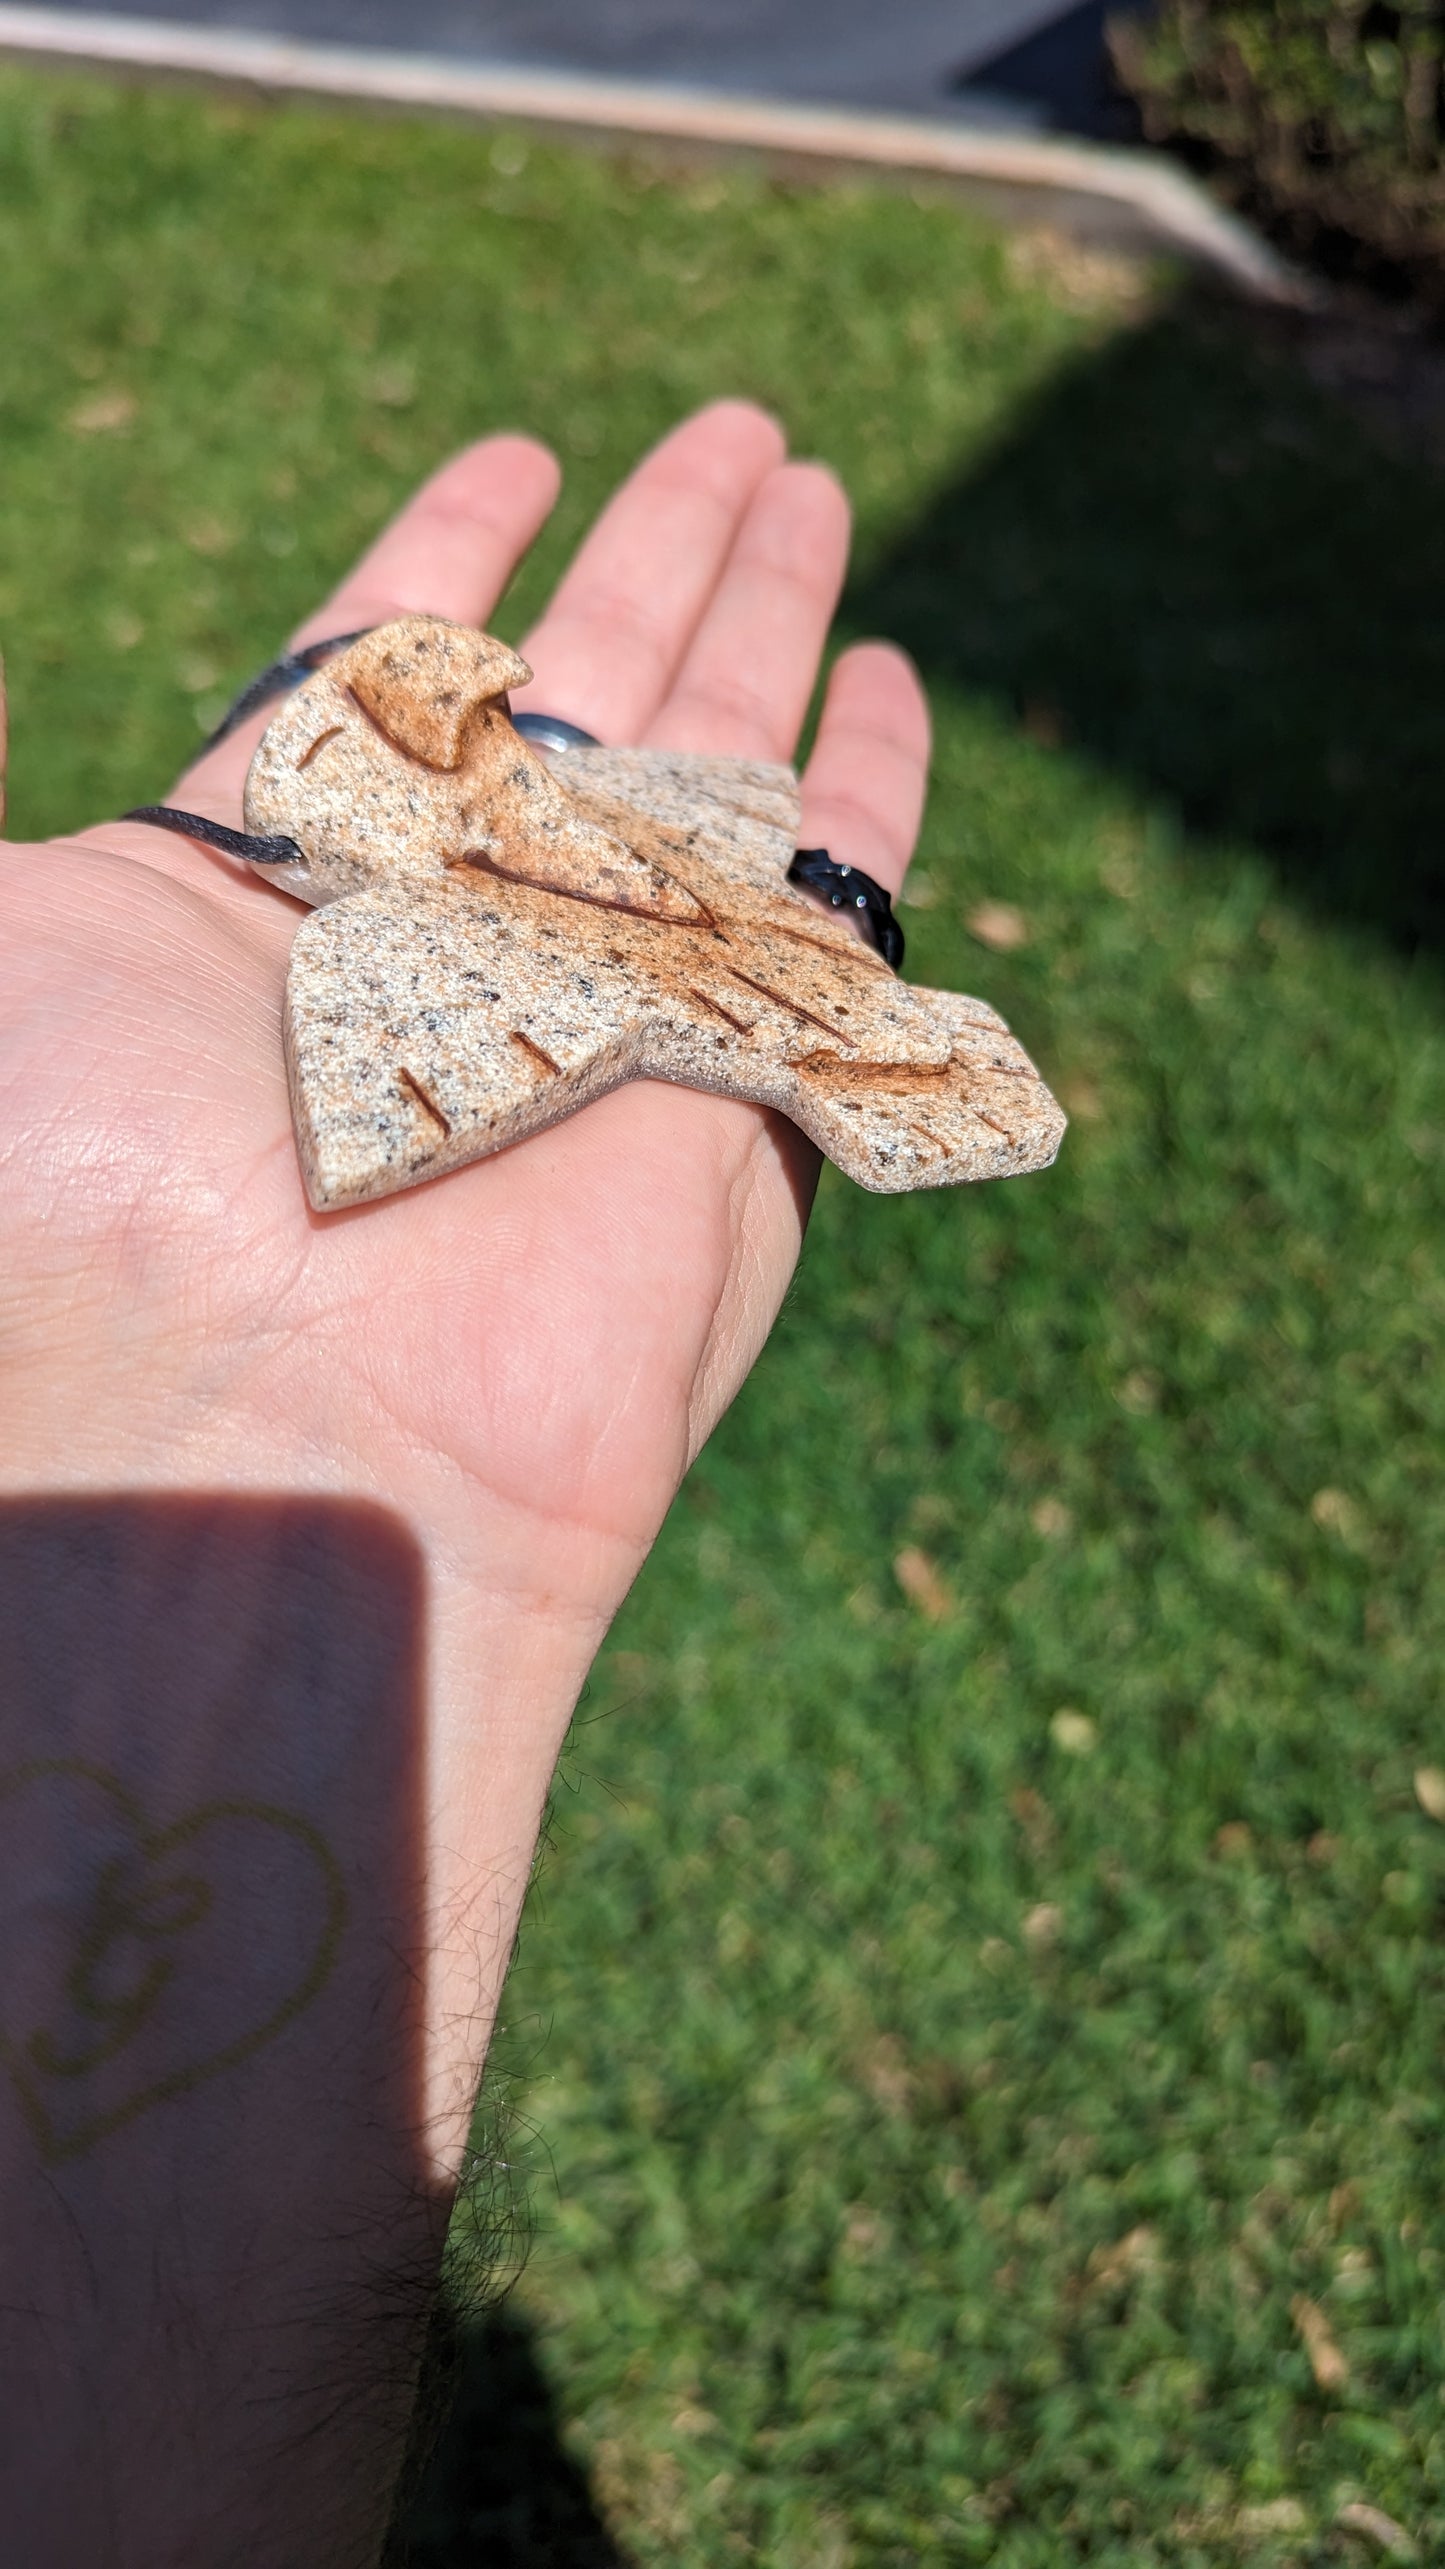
[{"x": 984, "y": 1990}]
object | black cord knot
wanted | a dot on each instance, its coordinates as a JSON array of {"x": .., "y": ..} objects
[{"x": 847, "y": 887}]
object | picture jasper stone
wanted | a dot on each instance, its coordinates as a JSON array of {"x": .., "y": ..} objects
[{"x": 501, "y": 936}]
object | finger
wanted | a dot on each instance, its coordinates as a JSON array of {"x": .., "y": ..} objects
[
  {"x": 864, "y": 786},
  {"x": 607, "y": 648},
  {"x": 454, "y": 546},
  {"x": 744, "y": 684},
  {"x": 451, "y": 553}
]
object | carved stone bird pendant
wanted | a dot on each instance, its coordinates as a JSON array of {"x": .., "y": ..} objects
[{"x": 500, "y": 938}]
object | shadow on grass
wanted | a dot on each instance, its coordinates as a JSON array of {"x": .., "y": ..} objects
[
  {"x": 1195, "y": 566},
  {"x": 1198, "y": 569},
  {"x": 499, "y": 2491}
]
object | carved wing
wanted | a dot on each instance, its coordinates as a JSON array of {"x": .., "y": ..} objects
[
  {"x": 981, "y": 1112},
  {"x": 739, "y": 814},
  {"x": 966, "y": 1103},
  {"x": 425, "y": 1030}
]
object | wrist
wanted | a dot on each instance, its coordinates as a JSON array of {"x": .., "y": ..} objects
[{"x": 510, "y": 1614}]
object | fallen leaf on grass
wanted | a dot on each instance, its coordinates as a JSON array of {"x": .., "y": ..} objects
[
  {"x": 1033, "y": 1816},
  {"x": 1335, "y": 1512},
  {"x": 1073, "y": 1732},
  {"x": 691, "y": 2420},
  {"x": 998, "y": 924},
  {"x": 1327, "y": 2363},
  {"x": 1275, "y": 2515},
  {"x": 863, "y": 2229},
  {"x": 1136, "y": 2254},
  {"x": 210, "y": 536},
  {"x": 1250, "y": 2523},
  {"x": 999, "y": 2502},
  {"x": 103, "y": 414},
  {"x": 392, "y": 383},
  {"x": 921, "y": 1584},
  {"x": 1430, "y": 1791},
  {"x": 1236, "y": 1837},
  {"x": 1377, "y": 2527},
  {"x": 920, "y": 892},
  {"x": 884, "y": 2071}
]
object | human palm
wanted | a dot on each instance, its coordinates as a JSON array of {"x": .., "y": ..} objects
[{"x": 521, "y": 1358}]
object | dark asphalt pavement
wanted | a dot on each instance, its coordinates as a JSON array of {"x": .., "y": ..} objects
[{"x": 1021, "y": 63}]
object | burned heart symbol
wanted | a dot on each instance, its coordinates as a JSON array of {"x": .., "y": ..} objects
[{"x": 152, "y": 1958}]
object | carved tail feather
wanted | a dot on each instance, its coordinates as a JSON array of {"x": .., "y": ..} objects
[{"x": 892, "y": 1126}]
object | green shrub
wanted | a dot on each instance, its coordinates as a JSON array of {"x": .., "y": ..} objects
[{"x": 1329, "y": 119}]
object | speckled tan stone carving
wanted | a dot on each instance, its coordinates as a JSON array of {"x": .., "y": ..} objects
[{"x": 503, "y": 939}]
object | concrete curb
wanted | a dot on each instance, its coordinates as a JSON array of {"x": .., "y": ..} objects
[{"x": 1130, "y": 200}]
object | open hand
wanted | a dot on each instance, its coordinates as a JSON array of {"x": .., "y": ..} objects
[{"x": 522, "y": 1358}]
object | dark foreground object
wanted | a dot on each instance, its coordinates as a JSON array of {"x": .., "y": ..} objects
[{"x": 499, "y": 2491}]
